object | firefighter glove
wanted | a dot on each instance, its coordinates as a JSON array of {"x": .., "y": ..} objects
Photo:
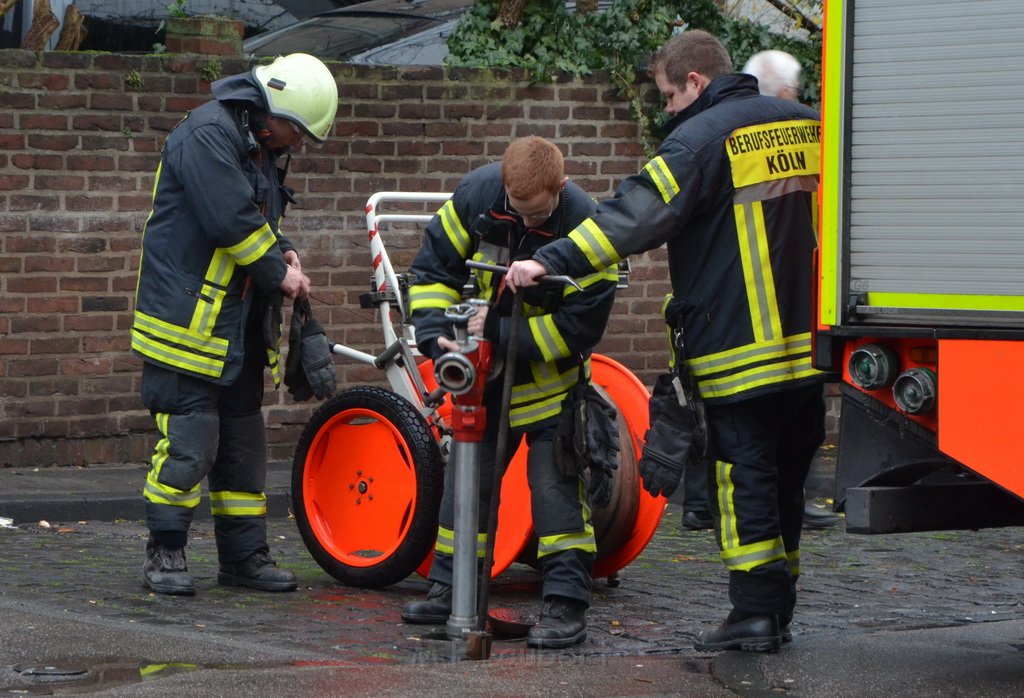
[
  {"x": 588, "y": 440},
  {"x": 309, "y": 370},
  {"x": 676, "y": 436}
]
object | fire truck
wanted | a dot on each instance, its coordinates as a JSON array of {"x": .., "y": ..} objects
[{"x": 920, "y": 269}]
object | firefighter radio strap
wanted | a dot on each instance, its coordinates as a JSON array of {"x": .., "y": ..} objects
[
  {"x": 588, "y": 439},
  {"x": 309, "y": 370},
  {"x": 678, "y": 433}
]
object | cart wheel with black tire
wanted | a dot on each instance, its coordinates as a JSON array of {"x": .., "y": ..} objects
[{"x": 366, "y": 487}]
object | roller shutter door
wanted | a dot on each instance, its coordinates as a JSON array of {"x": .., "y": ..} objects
[{"x": 934, "y": 212}]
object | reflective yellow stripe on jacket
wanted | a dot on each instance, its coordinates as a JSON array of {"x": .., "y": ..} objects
[
  {"x": 180, "y": 347},
  {"x": 542, "y": 398},
  {"x": 753, "y": 366}
]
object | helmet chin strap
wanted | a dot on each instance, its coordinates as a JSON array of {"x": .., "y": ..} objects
[{"x": 255, "y": 128}]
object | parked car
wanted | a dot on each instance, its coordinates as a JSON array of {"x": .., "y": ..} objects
[{"x": 388, "y": 32}]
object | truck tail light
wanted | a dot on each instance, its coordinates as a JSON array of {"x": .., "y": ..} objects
[
  {"x": 915, "y": 390},
  {"x": 873, "y": 366}
]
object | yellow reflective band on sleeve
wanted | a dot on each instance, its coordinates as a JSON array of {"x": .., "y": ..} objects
[
  {"x": 743, "y": 558},
  {"x": 226, "y": 503},
  {"x": 607, "y": 274},
  {"x": 547, "y": 337},
  {"x": 662, "y": 177},
  {"x": 752, "y": 238},
  {"x": 423, "y": 296},
  {"x": 254, "y": 246},
  {"x": 945, "y": 301},
  {"x": 793, "y": 562},
  {"x": 594, "y": 245},
  {"x": 454, "y": 229},
  {"x": 774, "y": 151}
]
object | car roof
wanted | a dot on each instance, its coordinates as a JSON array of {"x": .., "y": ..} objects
[
  {"x": 377, "y": 32},
  {"x": 342, "y": 33}
]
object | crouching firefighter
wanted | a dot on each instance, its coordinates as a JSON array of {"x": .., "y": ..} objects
[
  {"x": 499, "y": 213},
  {"x": 213, "y": 271}
]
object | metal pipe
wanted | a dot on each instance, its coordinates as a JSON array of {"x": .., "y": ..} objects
[
  {"x": 547, "y": 278},
  {"x": 463, "y": 618}
]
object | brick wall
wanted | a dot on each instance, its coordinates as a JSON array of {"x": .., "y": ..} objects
[{"x": 80, "y": 136}]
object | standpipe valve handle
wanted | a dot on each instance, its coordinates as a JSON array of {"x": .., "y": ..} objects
[{"x": 547, "y": 278}]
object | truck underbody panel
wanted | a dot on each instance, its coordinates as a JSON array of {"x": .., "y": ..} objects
[{"x": 891, "y": 476}]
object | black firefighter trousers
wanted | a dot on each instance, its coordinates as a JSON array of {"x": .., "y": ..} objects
[
  {"x": 561, "y": 516},
  {"x": 763, "y": 448},
  {"x": 208, "y": 430}
]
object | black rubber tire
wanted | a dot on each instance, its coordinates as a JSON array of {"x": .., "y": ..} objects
[{"x": 327, "y": 508}]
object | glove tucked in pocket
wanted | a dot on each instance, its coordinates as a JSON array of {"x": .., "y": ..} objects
[
  {"x": 309, "y": 369},
  {"x": 588, "y": 438}
]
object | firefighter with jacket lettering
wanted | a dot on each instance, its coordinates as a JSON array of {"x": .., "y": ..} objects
[
  {"x": 499, "y": 213},
  {"x": 213, "y": 270},
  {"x": 732, "y": 192}
]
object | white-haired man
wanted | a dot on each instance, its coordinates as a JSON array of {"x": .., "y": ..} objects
[{"x": 777, "y": 73}]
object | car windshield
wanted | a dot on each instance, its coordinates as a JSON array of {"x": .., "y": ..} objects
[
  {"x": 428, "y": 47},
  {"x": 338, "y": 37}
]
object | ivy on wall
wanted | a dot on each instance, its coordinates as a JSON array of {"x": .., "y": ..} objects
[{"x": 549, "y": 39}]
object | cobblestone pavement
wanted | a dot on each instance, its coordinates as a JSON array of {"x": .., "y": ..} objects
[{"x": 850, "y": 585}]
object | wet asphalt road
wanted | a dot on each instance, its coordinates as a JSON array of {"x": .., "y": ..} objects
[{"x": 913, "y": 614}]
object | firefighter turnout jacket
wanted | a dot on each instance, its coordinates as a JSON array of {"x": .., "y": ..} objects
[
  {"x": 559, "y": 323},
  {"x": 732, "y": 193},
  {"x": 211, "y": 243}
]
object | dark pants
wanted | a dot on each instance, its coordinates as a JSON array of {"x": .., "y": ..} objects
[
  {"x": 561, "y": 518},
  {"x": 763, "y": 452},
  {"x": 695, "y": 487},
  {"x": 214, "y": 431}
]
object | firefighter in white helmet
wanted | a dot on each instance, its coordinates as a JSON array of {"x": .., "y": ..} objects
[{"x": 213, "y": 270}]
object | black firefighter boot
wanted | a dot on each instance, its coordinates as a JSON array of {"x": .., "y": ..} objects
[
  {"x": 434, "y": 610},
  {"x": 563, "y": 623},
  {"x": 165, "y": 570},
  {"x": 741, "y": 632},
  {"x": 258, "y": 571}
]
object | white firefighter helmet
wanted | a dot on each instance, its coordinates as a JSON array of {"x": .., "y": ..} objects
[{"x": 300, "y": 88}]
